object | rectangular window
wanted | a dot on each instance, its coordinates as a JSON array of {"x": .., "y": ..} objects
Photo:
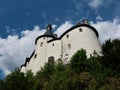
[{"x": 51, "y": 60}]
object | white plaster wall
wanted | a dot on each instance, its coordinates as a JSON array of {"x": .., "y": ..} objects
[
  {"x": 41, "y": 51},
  {"x": 30, "y": 64},
  {"x": 23, "y": 69},
  {"x": 86, "y": 39},
  {"x": 54, "y": 49}
]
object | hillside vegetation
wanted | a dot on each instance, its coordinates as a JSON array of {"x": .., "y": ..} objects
[{"x": 81, "y": 73}]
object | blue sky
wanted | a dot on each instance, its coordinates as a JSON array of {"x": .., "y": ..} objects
[
  {"x": 21, "y": 21},
  {"x": 24, "y": 14}
]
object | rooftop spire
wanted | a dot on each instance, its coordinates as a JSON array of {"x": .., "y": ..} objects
[
  {"x": 85, "y": 21},
  {"x": 49, "y": 27},
  {"x": 49, "y": 30}
]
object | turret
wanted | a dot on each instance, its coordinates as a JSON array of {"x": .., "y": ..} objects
[
  {"x": 49, "y": 30},
  {"x": 85, "y": 21}
]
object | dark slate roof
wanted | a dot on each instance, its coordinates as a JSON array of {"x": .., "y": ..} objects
[
  {"x": 49, "y": 32},
  {"x": 53, "y": 36},
  {"x": 28, "y": 59}
]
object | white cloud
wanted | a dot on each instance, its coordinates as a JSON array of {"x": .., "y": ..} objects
[
  {"x": 44, "y": 14},
  {"x": 95, "y": 3},
  {"x": 108, "y": 29},
  {"x": 65, "y": 26},
  {"x": 98, "y": 3},
  {"x": 14, "y": 50},
  {"x": 99, "y": 17},
  {"x": 54, "y": 26}
]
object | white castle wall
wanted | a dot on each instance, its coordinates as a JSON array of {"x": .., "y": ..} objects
[
  {"x": 64, "y": 47},
  {"x": 54, "y": 49},
  {"x": 40, "y": 57}
]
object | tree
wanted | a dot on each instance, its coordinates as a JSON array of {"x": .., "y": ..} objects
[
  {"x": 16, "y": 81},
  {"x": 111, "y": 54},
  {"x": 2, "y": 85},
  {"x": 77, "y": 61},
  {"x": 29, "y": 80}
]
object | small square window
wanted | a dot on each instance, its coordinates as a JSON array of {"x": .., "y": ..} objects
[
  {"x": 44, "y": 38},
  {"x": 80, "y": 30}
]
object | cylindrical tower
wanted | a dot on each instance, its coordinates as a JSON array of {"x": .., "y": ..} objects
[{"x": 78, "y": 37}]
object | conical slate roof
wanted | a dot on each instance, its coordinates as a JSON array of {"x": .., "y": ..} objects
[{"x": 49, "y": 30}]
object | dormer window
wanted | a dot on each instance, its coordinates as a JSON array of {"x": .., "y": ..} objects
[{"x": 41, "y": 44}]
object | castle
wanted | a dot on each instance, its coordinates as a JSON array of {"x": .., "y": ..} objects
[{"x": 50, "y": 48}]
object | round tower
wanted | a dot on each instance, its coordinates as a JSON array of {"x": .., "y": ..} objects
[
  {"x": 40, "y": 55},
  {"x": 81, "y": 36}
]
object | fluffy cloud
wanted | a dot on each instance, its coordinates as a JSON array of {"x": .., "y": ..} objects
[
  {"x": 65, "y": 26},
  {"x": 99, "y": 18},
  {"x": 14, "y": 50},
  {"x": 108, "y": 29},
  {"x": 95, "y": 3},
  {"x": 98, "y": 3}
]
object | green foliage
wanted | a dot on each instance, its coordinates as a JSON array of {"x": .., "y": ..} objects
[
  {"x": 77, "y": 62},
  {"x": 2, "y": 85},
  {"x": 59, "y": 66},
  {"x": 82, "y": 73},
  {"x": 29, "y": 78},
  {"x": 15, "y": 81},
  {"x": 111, "y": 55}
]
